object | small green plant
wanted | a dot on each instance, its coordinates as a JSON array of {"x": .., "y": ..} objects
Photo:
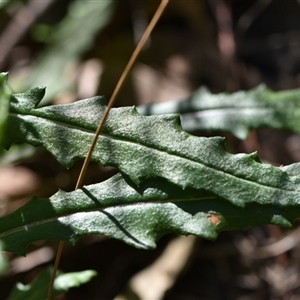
[{"x": 169, "y": 180}]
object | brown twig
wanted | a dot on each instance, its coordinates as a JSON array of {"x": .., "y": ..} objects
[{"x": 111, "y": 102}]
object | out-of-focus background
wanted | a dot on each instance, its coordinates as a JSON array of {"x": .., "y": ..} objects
[{"x": 78, "y": 49}]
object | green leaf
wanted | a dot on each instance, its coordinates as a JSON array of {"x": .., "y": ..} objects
[
  {"x": 4, "y": 3},
  {"x": 37, "y": 290},
  {"x": 237, "y": 113},
  {"x": 70, "y": 39},
  {"x": 4, "y": 264},
  {"x": 138, "y": 216},
  {"x": 5, "y": 95},
  {"x": 174, "y": 182},
  {"x": 146, "y": 147}
]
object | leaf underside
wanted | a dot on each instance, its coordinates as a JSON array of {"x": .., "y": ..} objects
[{"x": 138, "y": 216}]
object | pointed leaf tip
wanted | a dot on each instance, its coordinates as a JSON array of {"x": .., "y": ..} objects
[
  {"x": 25, "y": 102},
  {"x": 4, "y": 76}
]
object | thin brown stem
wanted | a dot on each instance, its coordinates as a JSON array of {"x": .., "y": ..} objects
[
  {"x": 55, "y": 267},
  {"x": 119, "y": 85},
  {"x": 111, "y": 102}
]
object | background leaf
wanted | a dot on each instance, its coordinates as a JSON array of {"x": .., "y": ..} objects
[
  {"x": 38, "y": 289},
  {"x": 237, "y": 113},
  {"x": 72, "y": 37},
  {"x": 5, "y": 95},
  {"x": 4, "y": 264}
]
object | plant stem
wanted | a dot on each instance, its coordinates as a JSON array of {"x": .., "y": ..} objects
[{"x": 111, "y": 102}]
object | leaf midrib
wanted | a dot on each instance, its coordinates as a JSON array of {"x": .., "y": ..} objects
[
  {"x": 159, "y": 149},
  {"x": 226, "y": 110},
  {"x": 117, "y": 205}
]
